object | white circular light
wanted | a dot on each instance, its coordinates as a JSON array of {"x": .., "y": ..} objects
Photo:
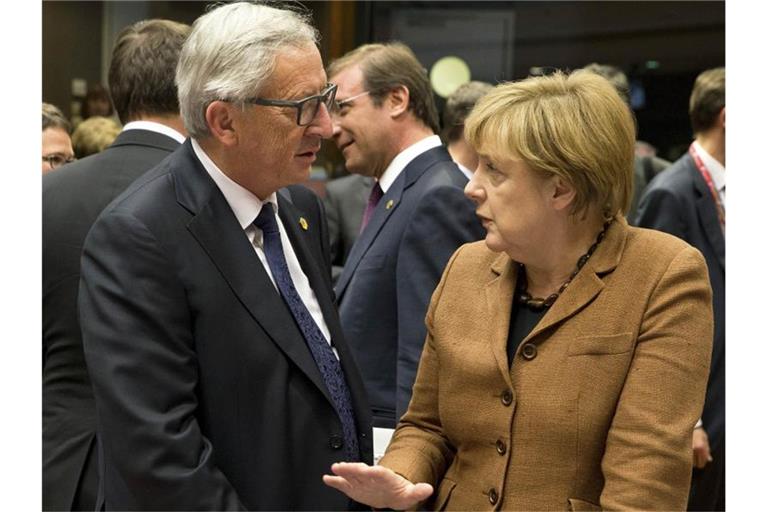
[{"x": 447, "y": 74}]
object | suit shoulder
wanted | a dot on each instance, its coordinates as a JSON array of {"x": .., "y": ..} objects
[{"x": 675, "y": 178}]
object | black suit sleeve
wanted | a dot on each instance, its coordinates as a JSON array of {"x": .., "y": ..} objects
[
  {"x": 138, "y": 340},
  {"x": 444, "y": 220}
]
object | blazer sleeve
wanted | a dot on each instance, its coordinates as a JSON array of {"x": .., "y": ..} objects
[
  {"x": 647, "y": 460},
  {"x": 139, "y": 347},
  {"x": 443, "y": 220}
]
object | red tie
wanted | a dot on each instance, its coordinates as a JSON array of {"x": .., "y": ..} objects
[{"x": 373, "y": 200}]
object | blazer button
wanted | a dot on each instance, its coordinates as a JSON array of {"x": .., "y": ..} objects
[
  {"x": 529, "y": 351},
  {"x": 501, "y": 447},
  {"x": 506, "y": 397},
  {"x": 336, "y": 442},
  {"x": 493, "y": 496}
]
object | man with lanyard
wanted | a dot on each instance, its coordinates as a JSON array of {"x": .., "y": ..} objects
[{"x": 688, "y": 200}]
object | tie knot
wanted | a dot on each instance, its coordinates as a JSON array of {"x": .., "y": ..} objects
[{"x": 266, "y": 221}]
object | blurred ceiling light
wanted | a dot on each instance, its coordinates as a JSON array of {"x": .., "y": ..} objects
[{"x": 447, "y": 74}]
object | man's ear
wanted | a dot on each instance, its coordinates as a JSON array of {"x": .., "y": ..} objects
[
  {"x": 398, "y": 100},
  {"x": 561, "y": 193},
  {"x": 221, "y": 122}
]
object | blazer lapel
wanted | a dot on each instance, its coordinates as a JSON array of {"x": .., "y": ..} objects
[
  {"x": 216, "y": 229},
  {"x": 384, "y": 210},
  {"x": 707, "y": 213},
  {"x": 290, "y": 214},
  {"x": 587, "y": 284},
  {"x": 499, "y": 294}
]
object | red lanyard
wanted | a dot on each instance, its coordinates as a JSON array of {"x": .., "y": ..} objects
[{"x": 708, "y": 178}]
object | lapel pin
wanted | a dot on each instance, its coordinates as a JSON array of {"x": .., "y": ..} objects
[
  {"x": 303, "y": 223},
  {"x": 389, "y": 204}
]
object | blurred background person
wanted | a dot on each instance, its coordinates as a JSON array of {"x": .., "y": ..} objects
[
  {"x": 564, "y": 368},
  {"x": 688, "y": 201},
  {"x": 647, "y": 165},
  {"x": 141, "y": 78},
  {"x": 94, "y": 135},
  {"x": 97, "y": 102},
  {"x": 57, "y": 143},
  {"x": 457, "y": 107},
  {"x": 385, "y": 124}
]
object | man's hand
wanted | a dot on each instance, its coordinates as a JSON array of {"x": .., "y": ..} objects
[
  {"x": 701, "y": 454},
  {"x": 376, "y": 486}
]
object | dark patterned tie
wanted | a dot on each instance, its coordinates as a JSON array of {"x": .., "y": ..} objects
[
  {"x": 326, "y": 360},
  {"x": 373, "y": 200}
]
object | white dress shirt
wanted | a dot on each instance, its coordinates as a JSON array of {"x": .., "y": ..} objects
[
  {"x": 155, "y": 127},
  {"x": 246, "y": 207},
  {"x": 405, "y": 157},
  {"x": 715, "y": 168}
]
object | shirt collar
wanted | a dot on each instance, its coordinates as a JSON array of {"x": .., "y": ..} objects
[
  {"x": 405, "y": 157},
  {"x": 465, "y": 170},
  {"x": 244, "y": 204},
  {"x": 715, "y": 168},
  {"x": 155, "y": 127}
]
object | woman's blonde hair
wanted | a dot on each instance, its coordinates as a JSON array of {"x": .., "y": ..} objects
[{"x": 574, "y": 126}]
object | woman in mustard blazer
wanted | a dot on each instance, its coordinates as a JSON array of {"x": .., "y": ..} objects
[{"x": 567, "y": 354}]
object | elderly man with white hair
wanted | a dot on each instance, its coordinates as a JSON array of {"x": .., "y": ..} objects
[{"x": 221, "y": 375}]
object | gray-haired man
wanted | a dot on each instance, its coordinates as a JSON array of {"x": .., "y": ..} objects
[{"x": 221, "y": 375}]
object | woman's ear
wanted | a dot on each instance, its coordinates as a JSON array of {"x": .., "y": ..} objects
[
  {"x": 398, "y": 100},
  {"x": 221, "y": 122},
  {"x": 562, "y": 193}
]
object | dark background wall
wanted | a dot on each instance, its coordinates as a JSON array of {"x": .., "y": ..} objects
[{"x": 662, "y": 46}]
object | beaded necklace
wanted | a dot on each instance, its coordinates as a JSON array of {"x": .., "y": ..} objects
[{"x": 538, "y": 304}]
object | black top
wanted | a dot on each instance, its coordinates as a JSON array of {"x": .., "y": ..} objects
[{"x": 521, "y": 323}]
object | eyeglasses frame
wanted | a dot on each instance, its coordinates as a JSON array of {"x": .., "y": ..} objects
[{"x": 329, "y": 91}]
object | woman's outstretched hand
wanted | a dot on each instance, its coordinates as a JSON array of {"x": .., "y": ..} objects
[{"x": 376, "y": 486}]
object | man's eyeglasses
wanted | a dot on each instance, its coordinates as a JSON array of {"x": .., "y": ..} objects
[
  {"x": 306, "y": 109},
  {"x": 339, "y": 106},
  {"x": 57, "y": 160}
]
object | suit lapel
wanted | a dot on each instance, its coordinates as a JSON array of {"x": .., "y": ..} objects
[
  {"x": 216, "y": 229},
  {"x": 707, "y": 213},
  {"x": 289, "y": 215},
  {"x": 587, "y": 284},
  {"x": 499, "y": 294},
  {"x": 383, "y": 212},
  {"x": 386, "y": 209}
]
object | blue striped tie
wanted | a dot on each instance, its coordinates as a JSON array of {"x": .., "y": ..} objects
[{"x": 326, "y": 360}]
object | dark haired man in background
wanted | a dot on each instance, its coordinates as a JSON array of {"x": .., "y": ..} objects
[
  {"x": 385, "y": 125},
  {"x": 141, "y": 77},
  {"x": 688, "y": 201}
]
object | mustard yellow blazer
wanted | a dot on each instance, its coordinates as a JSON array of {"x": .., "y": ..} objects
[{"x": 598, "y": 408}]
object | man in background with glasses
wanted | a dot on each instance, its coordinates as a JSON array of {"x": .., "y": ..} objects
[
  {"x": 221, "y": 375},
  {"x": 385, "y": 124},
  {"x": 57, "y": 141}
]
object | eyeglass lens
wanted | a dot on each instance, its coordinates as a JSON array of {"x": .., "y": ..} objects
[{"x": 308, "y": 110}]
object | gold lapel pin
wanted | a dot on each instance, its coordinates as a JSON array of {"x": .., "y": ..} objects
[
  {"x": 303, "y": 223},
  {"x": 389, "y": 204}
]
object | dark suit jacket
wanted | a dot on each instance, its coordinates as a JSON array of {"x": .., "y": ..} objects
[
  {"x": 207, "y": 396},
  {"x": 73, "y": 197},
  {"x": 679, "y": 202},
  {"x": 345, "y": 201},
  {"x": 392, "y": 270}
]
